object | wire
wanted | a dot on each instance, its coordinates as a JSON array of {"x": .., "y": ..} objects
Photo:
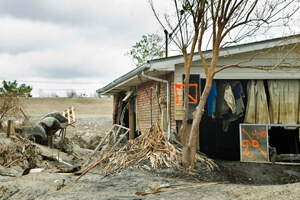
[{"x": 55, "y": 82}]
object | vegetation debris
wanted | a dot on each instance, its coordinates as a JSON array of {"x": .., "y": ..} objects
[{"x": 150, "y": 146}]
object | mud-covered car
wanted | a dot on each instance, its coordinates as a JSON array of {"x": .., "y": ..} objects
[{"x": 48, "y": 125}]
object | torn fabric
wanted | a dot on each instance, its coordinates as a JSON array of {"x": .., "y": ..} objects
[
  {"x": 221, "y": 107},
  {"x": 257, "y": 106},
  {"x": 225, "y": 100},
  {"x": 284, "y": 101},
  {"x": 238, "y": 93},
  {"x": 262, "y": 111},
  {"x": 288, "y": 101},
  {"x": 273, "y": 86},
  {"x": 251, "y": 104},
  {"x": 211, "y": 99}
]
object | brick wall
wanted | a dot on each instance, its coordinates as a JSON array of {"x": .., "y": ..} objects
[
  {"x": 172, "y": 88},
  {"x": 143, "y": 103}
]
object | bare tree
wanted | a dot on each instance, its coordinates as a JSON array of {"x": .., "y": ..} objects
[
  {"x": 199, "y": 24},
  {"x": 9, "y": 105},
  {"x": 71, "y": 93}
]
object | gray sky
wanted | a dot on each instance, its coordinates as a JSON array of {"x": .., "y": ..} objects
[
  {"x": 54, "y": 45},
  {"x": 62, "y": 45}
]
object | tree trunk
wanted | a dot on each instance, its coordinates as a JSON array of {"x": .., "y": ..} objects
[
  {"x": 183, "y": 134},
  {"x": 197, "y": 116}
]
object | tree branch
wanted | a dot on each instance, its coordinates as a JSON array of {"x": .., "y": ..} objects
[{"x": 238, "y": 65}]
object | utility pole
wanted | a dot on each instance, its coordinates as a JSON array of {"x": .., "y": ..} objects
[{"x": 166, "y": 35}]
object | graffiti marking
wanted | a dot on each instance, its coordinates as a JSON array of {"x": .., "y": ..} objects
[
  {"x": 254, "y": 143},
  {"x": 193, "y": 100}
]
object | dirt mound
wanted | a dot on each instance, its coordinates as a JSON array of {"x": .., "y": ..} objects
[{"x": 83, "y": 106}]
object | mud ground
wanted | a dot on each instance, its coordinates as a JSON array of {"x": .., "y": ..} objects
[{"x": 246, "y": 180}]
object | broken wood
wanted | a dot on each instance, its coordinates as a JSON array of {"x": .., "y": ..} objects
[
  {"x": 180, "y": 188},
  {"x": 156, "y": 187},
  {"x": 70, "y": 115},
  {"x": 120, "y": 107},
  {"x": 94, "y": 165},
  {"x": 109, "y": 133},
  {"x": 150, "y": 146},
  {"x": 61, "y": 161},
  {"x": 131, "y": 119},
  {"x": 8, "y": 128}
]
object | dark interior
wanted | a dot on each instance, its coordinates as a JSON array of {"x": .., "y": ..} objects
[
  {"x": 216, "y": 143},
  {"x": 285, "y": 141}
]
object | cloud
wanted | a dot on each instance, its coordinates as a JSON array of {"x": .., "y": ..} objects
[
  {"x": 53, "y": 11},
  {"x": 81, "y": 59},
  {"x": 114, "y": 15},
  {"x": 19, "y": 35},
  {"x": 70, "y": 41}
]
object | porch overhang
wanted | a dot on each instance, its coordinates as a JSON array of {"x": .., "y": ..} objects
[{"x": 134, "y": 78}]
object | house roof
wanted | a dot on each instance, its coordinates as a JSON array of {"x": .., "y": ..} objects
[{"x": 159, "y": 67}]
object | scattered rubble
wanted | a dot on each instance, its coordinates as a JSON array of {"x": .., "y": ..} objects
[
  {"x": 19, "y": 152},
  {"x": 29, "y": 170},
  {"x": 150, "y": 150}
]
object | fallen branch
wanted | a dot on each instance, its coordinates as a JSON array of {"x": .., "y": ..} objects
[
  {"x": 94, "y": 165},
  {"x": 180, "y": 188},
  {"x": 11, "y": 163}
]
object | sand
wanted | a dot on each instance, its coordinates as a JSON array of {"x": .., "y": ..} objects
[{"x": 247, "y": 180}]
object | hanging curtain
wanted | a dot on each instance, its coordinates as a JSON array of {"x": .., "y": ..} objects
[
  {"x": 284, "y": 101},
  {"x": 262, "y": 111},
  {"x": 257, "y": 107},
  {"x": 273, "y": 86}
]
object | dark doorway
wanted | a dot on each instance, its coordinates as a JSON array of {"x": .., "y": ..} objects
[
  {"x": 285, "y": 141},
  {"x": 213, "y": 140}
]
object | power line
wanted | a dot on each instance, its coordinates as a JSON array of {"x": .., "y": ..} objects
[
  {"x": 66, "y": 89},
  {"x": 49, "y": 82}
]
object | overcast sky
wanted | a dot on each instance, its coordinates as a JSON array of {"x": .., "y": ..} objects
[
  {"x": 77, "y": 44},
  {"x": 59, "y": 45}
]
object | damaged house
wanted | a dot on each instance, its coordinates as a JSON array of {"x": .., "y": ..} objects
[{"x": 251, "y": 115}]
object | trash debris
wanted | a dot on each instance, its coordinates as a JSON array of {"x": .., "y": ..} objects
[
  {"x": 22, "y": 153},
  {"x": 156, "y": 190},
  {"x": 33, "y": 171},
  {"x": 48, "y": 125},
  {"x": 156, "y": 187},
  {"x": 5, "y": 190},
  {"x": 150, "y": 146},
  {"x": 61, "y": 161},
  {"x": 60, "y": 186}
]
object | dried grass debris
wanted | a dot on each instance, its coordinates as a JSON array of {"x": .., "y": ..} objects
[
  {"x": 150, "y": 146},
  {"x": 19, "y": 152}
]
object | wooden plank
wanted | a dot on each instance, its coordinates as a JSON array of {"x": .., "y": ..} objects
[
  {"x": 120, "y": 108},
  {"x": 131, "y": 119},
  {"x": 8, "y": 129},
  {"x": 70, "y": 115},
  {"x": 286, "y": 163},
  {"x": 73, "y": 114}
]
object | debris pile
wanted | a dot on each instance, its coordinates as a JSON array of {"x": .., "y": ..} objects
[
  {"x": 150, "y": 146},
  {"x": 21, "y": 152}
]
